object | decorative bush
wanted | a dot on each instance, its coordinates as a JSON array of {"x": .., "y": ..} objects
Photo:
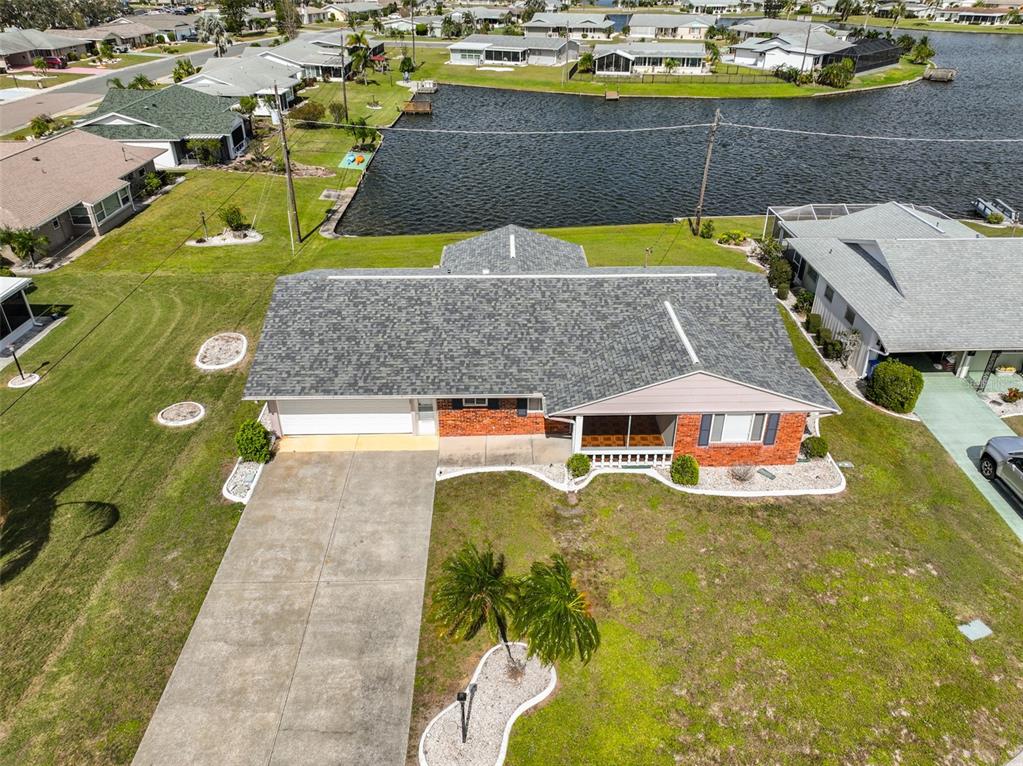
[
  {"x": 707, "y": 230},
  {"x": 779, "y": 273},
  {"x": 310, "y": 111},
  {"x": 253, "y": 442},
  {"x": 152, "y": 183},
  {"x": 783, "y": 292},
  {"x": 804, "y": 302},
  {"x": 742, "y": 473},
  {"x": 823, "y": 335},
  {"x": 995, "y": 218},
  {"x": 233, "y": 218},
  {"x": 207, "y": 151},
  {"x": 1012, "y": 396},
  {"x": 832, "y": 349},
  {"x": 814, "y": 446},
  {"x": 578, "y": 465},
  {"x": 813, "y": 323},
  {"x": 895, "y": 386},
  {"x": 685, "y": 470},
  {"x": 732, "y": 237}
]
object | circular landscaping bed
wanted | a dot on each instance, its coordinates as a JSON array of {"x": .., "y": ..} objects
[
  {"x": 19, "y": 381},
  {"x": 181, "y": 414},
  {"x": 223, "y": 350}
]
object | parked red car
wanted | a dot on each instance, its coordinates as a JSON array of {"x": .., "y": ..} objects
[{"x": 55, "y": 62}]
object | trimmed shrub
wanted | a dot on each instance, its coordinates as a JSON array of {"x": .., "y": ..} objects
[
  {"x": 895, "y": 386},
  {"x": 742, "y": 473},
  {"x": 152, "y": 183},
  {"x": 783, "y": 292},
  {"x": 732, "y": 237},
  {"x": 779, "y": 273},
  {"x": 233, "y": 218},
  {"x": 814, "y": 446},
  {"x": 804, "y": 302},
  {"x": 995, "y": 218},
  {"x": 813, "y": 323},
  {"x": 832, "y": 349},
  {"x": 310, "y": 111},
  {"x": 253, "y": 442},
  {"x": 707, "y": 230},
  {"x": 823, "y": 335},
  {"x": 685, "y": 470},
  {"x": 578, "y": 465}
]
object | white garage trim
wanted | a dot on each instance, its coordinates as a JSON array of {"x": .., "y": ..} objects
[{"x": 319, "y": 417}]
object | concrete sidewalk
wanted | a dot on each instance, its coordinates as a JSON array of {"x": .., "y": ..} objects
[
  {"x": 304, "y": 651},
  {"x": 963, "y": 423}
]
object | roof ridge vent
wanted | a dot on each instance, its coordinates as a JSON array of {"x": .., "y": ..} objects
[
  {"x": 681, "y": 333},
  {"x": 511, "y": 244}
]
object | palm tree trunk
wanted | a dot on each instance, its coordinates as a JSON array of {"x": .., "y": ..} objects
[{"x": 502, "y": 629}]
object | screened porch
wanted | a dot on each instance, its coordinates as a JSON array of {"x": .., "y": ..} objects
[{"x": 627, "y": 439}]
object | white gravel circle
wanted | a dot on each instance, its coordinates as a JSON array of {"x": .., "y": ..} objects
[
  {"x": 223, "y": 350},
  {"x": 499, "y": 700},
  {"x": 23, "y": 382},
  {"x": 181, "y": 414}
]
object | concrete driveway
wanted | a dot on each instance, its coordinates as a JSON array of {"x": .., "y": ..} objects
[
  {"x": 963, "y": 423},
  {"x": 304, "y": 651}
]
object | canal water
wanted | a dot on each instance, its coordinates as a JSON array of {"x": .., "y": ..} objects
[{"x": 435, "y": 182}]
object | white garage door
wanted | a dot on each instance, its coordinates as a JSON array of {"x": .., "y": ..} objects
[{"x": 345, "y": 416}]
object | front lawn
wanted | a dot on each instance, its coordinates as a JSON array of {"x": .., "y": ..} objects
[
  {"x": 121, "y": 61},
  {"x": 177, "y": 47},
  {"x": 51, "y": 78},
  {"x": 803, "y": 631}
]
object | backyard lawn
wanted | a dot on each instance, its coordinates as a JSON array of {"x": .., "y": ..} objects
[{"x": 929, "y": 26}]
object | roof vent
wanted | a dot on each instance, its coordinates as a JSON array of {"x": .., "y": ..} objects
[
  {"x": 511, "y": 244},
  {"x": 486, "y": 271}
]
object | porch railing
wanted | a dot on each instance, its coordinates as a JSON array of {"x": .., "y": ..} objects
[{"x": 638, "y": 457}]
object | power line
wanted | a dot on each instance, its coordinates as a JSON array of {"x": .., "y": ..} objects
[{"x": 922, "y": 139}]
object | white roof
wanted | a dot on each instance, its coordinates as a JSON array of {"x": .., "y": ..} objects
[{"x": 10, "y": 285}]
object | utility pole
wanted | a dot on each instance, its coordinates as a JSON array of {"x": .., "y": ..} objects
[
  {"x": 412, "y": 11},
  {"x": 806, "y": 47},
  {"x": 293, "y": 227},
  {"x": 344, "y": 79},
  {"x": 706, "y": 169}
]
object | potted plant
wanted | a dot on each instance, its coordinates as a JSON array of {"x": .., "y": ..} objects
[{"x": 1005, "y": 370}]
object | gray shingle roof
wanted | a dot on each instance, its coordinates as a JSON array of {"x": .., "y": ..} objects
[
  {"x": 670, "y": 20},
  {"x": 952, "y": 294},
  {"x": 534, "y": 253},
  {"x": 243, "y": 77},
  {"x": 815, "y": 43},
  {"x": 890, "y": 220},
  {"x": 658, "y": 49},
  {"x": 173, "y": 113},
  {"x": 574, "y": 20},
  {"x": 23, "y": 40},
  {"x": 573, "y": 337},
  {"x": 512, "y": 42}
]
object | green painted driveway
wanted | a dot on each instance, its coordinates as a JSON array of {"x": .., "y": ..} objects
[{"x": 961, "y": 421}]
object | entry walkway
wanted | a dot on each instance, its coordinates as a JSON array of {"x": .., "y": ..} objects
[
  {"x": 304, "y": 651},
  {"x": 963, "y": 423}
]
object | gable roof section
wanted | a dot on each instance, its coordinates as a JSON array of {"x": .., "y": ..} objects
[
  {"x": 953, "y": 294},
  {"x": 815, "y": 43},
  {"x": 512, "y": 250},
  {"x": 169, "y": 114},
  {"x": 670, "y": 20},
  {"x": 891, "y": 220},
  {"x": 511, "y": 42},
  {"x": 659, "y": 49},
  {"x": 24, "y": 40},
  {"x": 553, "y": 20},
  {"x": 572, "y": 337},
  {"x": 242, "y": 76}
]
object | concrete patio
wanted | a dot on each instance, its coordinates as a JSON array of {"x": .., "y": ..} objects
[{"x": 478, "y": 451}]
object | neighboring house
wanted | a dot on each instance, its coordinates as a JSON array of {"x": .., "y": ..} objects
[
  {"x": 669, "y": 25},
  {"x": 16, "y": 317},
  {"x": 405, "y": 25},
  {"x": 803, "y": 52},
  {"x": 968, "y": 15},
  {"x": 824, "y": 7},
  {"x": 509, "y": 49},
  {"x": 254, "y": 76},
  {"x": 316, "y": 58},
  {"x": 716, "y": 7},
  {"x": 774, "y": 27},
  {"x": 20, "y": 47},
  {"x": 514, "y": 334},
  {"x": 650, "y": 58},
  {"x": 495, "y": 17},
  {"x": 911, "y": 281},
  {"x": 122, "y": 33},
  {"x": 578, "y": 26},
  {"x": 168, "y": 26},
  {"x": 167, "y": 120},
  {"x": 70, "y": 186},
  {"x": 310, "y": 14},
  {"x": 346, "y": 12},
  {"x": 868, "y": 53}
]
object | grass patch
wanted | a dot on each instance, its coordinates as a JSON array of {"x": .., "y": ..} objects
[
  {"x": 1015, "y": 423},
  {"x": 123, "y": 60},
  {"x": 932, "y": 26},
  {"x": 52, "y": 77},
  {"x": 181, "y": 48},
  {"x": 994, "y": 231}
]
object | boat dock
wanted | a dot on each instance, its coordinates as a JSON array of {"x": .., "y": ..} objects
[{"x": 417, "y": 107}]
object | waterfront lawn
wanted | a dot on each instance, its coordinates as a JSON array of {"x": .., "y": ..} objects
[
  {"x": 799, "y": 631},
  {"x": 994, "y": 231},
  {"x": 930, "y": 26}
]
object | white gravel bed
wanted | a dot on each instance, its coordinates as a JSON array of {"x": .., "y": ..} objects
[
  {"x": 1002, "y": 409},
  {"x": 221, "y": 351},
  {"x": 229, "y": 238},
  {"x": 820, "y": 474},
  {"x": 181, "y": 414},
  {"x": 242, "y": 481},
  {"x": 500, "y": 698}
]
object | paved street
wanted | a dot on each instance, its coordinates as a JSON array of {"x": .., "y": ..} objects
[{"x": 304, "y": 651}]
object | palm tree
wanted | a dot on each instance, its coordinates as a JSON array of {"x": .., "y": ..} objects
[
  {"x": 210, "y": 29},
  {"x": 24, "y": 243},
  {"x": 468, "y": 23},
  {"x": 586, "y": 62},
  {"x": 671, "y": 65},
  {"x": 790, "y": 7},
  {"x": 115, "y": 82},
  {"x": 378, "y": 25},
  {"x": 141, "y": 82},
  {"x": 474, "y": 591},
  {"x": 898, "y": 11},
  {"x": 357, "y": 40},
  {"x": 361, "y": 63},
  {"x": 844, "y": 8},
  {"x": 869, "y": 6},
  {"x": 554, "y": 615}
]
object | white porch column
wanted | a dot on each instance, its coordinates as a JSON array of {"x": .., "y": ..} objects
[{"x": 577, "y": 435}]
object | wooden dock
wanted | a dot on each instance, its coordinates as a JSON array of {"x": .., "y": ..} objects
[
  {"x": 417, "y": 107},
  {"x": 611, "y": 95}
]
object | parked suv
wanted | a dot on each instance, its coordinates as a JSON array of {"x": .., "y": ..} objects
[
  {"x": 1003, "y": 459},
  {"x": 55, "y": 62}
]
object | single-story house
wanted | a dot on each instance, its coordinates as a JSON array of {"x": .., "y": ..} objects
[
  {"x": 346, "y": 12},
  {"x": 515, "y": 334},
  {"x": 20, "y": 47},
  {"x": 801, "y": 51},
  {"x": 509, "y": 49},
  {"x": 823, "y": 7},
  {"x": 311, "y": 14},
  {"x": 16, "y": 316},
  {"x": 406, "y": 25},
  {"x": 650, "y": 58},
  {"x": 70, "y": 186},
  {"x": 717, "y": 7},
  {"x": 168, "y": 26},
  {"x": 748, "y": 28},
  {"x": 981, "y": 16},
  {"x": 578, "y": 26},
  {"x": 911, "y": 281},
  {"x": 167, "y": 120},
  {"x": 679, "y": 26},
  {"x": 315, "y": 58},
  {"x": 123, "y": 32},
  {"x": 867, "y": 53},
  {"x": 253, "y": 76}
]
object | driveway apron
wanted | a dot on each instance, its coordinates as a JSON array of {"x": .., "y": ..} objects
[
  {"x": 962, "y": 423},
  {"x": 304, "y": 651}
]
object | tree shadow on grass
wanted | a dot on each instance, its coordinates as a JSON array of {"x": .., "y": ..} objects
[{"x": 30, "y": 495}]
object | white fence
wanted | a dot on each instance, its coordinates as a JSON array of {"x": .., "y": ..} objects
[{"x": 618, "y": 458}]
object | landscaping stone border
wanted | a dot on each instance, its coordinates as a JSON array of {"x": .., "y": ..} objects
[
  {"x": 221, "y": 365},
  {"x": 162, "y": 419},
  {"x": 238, "y": 475},
  {"x": 23, "y": 382},
  {"x": 223, "y": 240}
]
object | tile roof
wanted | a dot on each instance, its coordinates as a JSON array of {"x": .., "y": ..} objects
[
  {"x": 573, "y": 337},
  {"x": 944, "y": 294},
  {"x": 42, "y": 179},
  {"x": 512, "y": 250},
  {"x": 171, "y": 113}
]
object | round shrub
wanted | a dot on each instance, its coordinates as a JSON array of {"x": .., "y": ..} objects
[
  {"x": 578, "y": 465},
  {"x": 253, "y": 442},
  {"x": 783, "y": 292},
  {"x": 814, "y": 446},
  {"x": 804, "y": 302},
  {"x": 895, "y": 386},
  {"x": 813, "y": 323},
  {"x": 685, "y": 470}
]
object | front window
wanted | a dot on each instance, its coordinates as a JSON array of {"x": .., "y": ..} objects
[
  {"x": 829, "y": 293},
  {"x": 535, "y": 404},
  {"x": 80, "y": 216},
  {"x": 110, "y": 205},
  {"x": 476, "y": 402},
  {"x": 850, "y": 315},
  {"x": 737, "y": 428}
]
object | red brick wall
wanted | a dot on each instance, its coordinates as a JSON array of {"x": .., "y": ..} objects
[
  {"x": 481, "y": 421},
  {"x": 785, "y": 449}
]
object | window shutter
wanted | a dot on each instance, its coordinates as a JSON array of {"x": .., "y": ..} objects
[
  {"x": 705, "y": 423},
  {"x": 493, "y": 404},
  {"x": 457, "y": 404},
  {"x": 771, "y": 433},
  {"x": 522, "y": 406}
]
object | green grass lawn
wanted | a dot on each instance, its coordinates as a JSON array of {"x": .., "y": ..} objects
[
  {"x": 995, "y": 231},
  {"x": 931, "y": 26},
  {"x": 52, "y": 77},
  {"x": 181, "y": 47},
  {"x": 541, "y": 78},
  {"x": 123, "y": 60}
]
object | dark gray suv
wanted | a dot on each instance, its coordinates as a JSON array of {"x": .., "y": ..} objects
[{"x": 1003, "y": 459}]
